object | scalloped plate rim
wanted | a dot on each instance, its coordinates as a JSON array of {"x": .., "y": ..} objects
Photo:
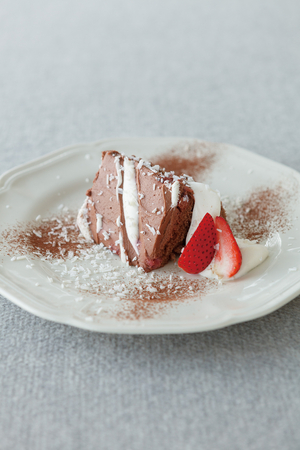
[{"x": 277, "y": 302}]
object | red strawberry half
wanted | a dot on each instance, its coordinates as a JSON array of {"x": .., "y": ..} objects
[
  {"x": 228, "y": 259},
  {"x": 199, "y": 251}
]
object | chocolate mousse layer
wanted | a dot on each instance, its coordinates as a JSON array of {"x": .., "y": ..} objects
[{"x": 139, "y": 211}]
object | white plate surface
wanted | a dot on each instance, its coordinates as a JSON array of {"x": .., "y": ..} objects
[{"x": 32, "y": 189}]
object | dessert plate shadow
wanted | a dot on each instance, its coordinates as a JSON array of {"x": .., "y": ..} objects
[{"x": 55, "y": 184}]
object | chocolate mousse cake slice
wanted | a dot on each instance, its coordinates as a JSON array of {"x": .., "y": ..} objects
[{"x": 137, "y": 210}]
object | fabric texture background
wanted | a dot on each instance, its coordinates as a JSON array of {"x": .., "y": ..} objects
[{"x": 74, "y": 71}]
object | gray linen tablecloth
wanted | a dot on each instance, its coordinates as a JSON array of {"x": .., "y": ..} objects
[{"x": 74, "y": 71}]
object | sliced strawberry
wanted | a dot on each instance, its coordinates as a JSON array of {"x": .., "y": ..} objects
[
  {"x": 228, "y": 259},
  {"x": 199, "y": 251}
]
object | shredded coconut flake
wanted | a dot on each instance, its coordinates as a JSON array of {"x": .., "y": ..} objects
[
  {"x": 140, "y": 164},
  {"x": 151, "y": 229},
  {"x": 106, "y": 235}
]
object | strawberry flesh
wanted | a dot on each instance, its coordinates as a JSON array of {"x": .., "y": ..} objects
[
  {"x": 200, "y": 249},
  {"x": 228, "y": 258}
]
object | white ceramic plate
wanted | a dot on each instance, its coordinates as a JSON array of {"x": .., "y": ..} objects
[{"x": 41, "y": 186}]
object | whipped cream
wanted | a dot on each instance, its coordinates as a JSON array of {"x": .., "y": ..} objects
[
  {"x": 122, "y": 250},
  {"x": 130, "y": 203},
  {"x": 252, "y": 255},
  {"x": 208, "y": 201},
  {"x": 119, "y": 175},
  {"x": 99, "y": 222},
  {"x": 175, "y": 193},
  {"x": 82, "y": 222}
]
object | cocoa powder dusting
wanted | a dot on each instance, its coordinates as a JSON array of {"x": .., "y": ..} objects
[
  {"x": 54, "y": 237},
  {"x": 90, "y": 270},
  {"x": 263, "y": 212},
  {"x": 195, "y": 160},
  {"x": 161, "y": 295}
]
